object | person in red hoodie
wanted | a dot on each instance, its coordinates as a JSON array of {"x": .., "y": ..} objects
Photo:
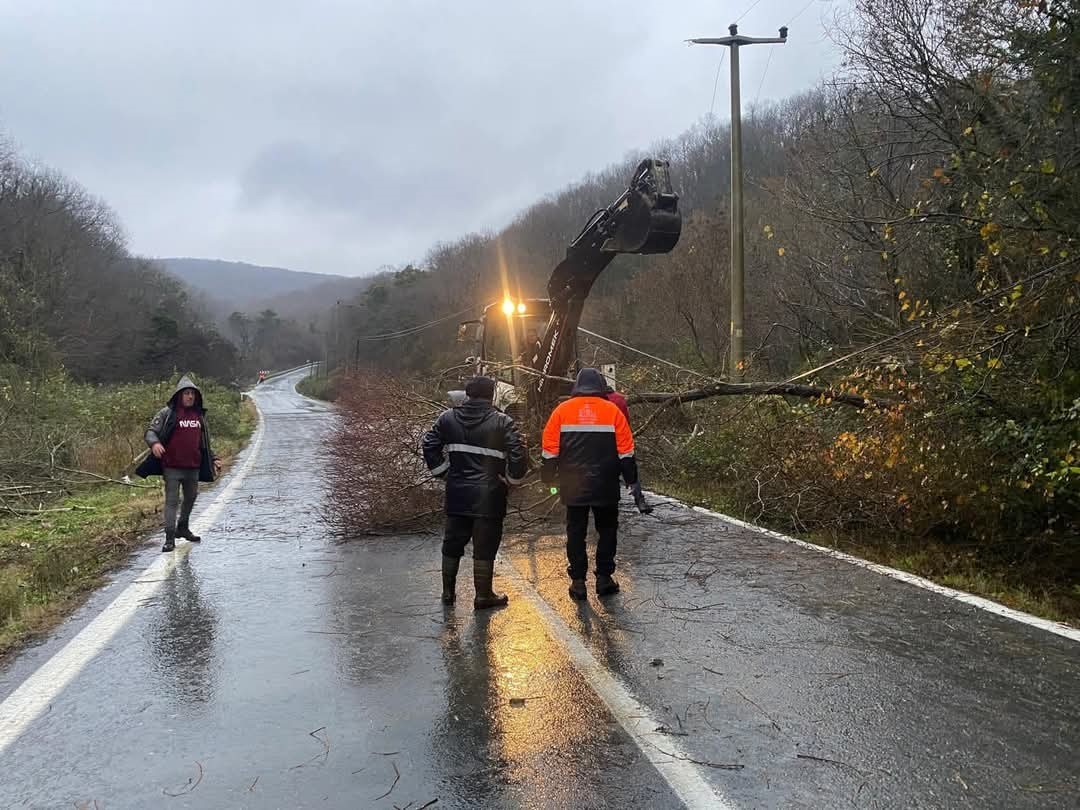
[
  {"x": 179, "y": 442},
  {"x": 619, "y": 401}
]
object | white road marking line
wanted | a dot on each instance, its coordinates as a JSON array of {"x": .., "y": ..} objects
[
  {"x": 34, "y": 695},
  {"x": 1058, "y": 628},
  {"x": 673, "y": 764}
]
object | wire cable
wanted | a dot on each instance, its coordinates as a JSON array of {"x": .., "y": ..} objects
[
  {"x": 716, "y": 82},
  {"x": 646, "y": 354},
  {"x": 764, "y": 73},
  {"x": 752, "y": 7},
  {"x": 803, "y": 11},
  {"x": 412, "y": 330},
  {"x": 1024, "y": 282}
]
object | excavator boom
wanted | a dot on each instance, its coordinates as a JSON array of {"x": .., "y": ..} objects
[{"x": 644, "y": 219}]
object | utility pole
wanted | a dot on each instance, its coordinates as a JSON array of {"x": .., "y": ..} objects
[{"x": 735, "y": 41}]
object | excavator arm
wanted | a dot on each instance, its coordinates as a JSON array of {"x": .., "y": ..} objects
[{"x": 644, "y": 219}]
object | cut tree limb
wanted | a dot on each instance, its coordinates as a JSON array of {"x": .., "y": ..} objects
[{"x": 722, "y": 389}]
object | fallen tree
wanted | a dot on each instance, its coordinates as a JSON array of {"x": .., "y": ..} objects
[
  {"x": 722, "y": 389},
  {"x": 378, "y": 481}
]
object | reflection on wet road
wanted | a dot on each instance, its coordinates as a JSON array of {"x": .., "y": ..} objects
[{"x": 273, "y": 668}]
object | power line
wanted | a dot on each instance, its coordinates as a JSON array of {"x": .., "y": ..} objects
[
  {"x": 412, "y": 330},
  {"x": 646, "y": 354},
  {"x": 803, "y": 11},
  {"x": 752, "y": 7},
  {"x": 1024, "y": 282},
  {"x": 764, "y": 73},
  {"x": 716, "y": 83}
]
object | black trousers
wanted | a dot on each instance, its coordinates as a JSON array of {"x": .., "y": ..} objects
[
  {"x": 486, "y": 534},
  {"x": 577, "y": 528}
]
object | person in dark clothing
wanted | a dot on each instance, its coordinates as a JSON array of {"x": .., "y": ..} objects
[
  {"x": 587, "y": 445},
  {"x": 639, "y": 496},
  {"x": 479, "y": 451},
  {"x": 180, "y": 452}
]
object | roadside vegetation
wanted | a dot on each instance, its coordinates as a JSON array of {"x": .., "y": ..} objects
[
  {"x": 69, "y": 510},
  {"x": 912, "y": 237},
  {"x": 92, "y": 341},
  {"x": 322, "y": 386}
]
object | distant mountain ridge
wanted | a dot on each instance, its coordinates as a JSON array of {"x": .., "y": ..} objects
[{"x": 242, "y": 285}]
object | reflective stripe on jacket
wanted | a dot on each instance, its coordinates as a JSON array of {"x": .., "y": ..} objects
[
  {"x": 475, "y": 446},
  {"x": 587, "y": 445}
]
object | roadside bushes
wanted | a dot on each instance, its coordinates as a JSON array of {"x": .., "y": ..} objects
[
  {"x": 378, "y": 480},
  {"x": 56, "y": 431},
  {"x": 962, "y": 472},
  {"x": 65, "y": 516},
  {"x": 326, "y": 388}
]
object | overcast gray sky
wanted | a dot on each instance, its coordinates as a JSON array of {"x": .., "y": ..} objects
[{"x": 340, "y": 135}]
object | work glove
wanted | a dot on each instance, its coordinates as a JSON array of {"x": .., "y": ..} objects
[{"x": 639, "y": 499}]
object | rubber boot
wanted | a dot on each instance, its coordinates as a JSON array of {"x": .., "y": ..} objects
[
  {"x": 483, "y": 574},
  {"x": 449, "y": 578},
  {"x": 605, "y": 585},
  {"x": 170, "y": 541},
  {"x": 182, "y": 530},
  {"x": 578, "y": 590}
]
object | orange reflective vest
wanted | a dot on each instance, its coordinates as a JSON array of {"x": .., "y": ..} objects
[{"x": 587, "y": 445}]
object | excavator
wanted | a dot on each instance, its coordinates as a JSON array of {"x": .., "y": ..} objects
[{"x": 530, "y": 346}]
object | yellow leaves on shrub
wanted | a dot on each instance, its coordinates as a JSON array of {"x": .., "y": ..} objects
[
  {"x": 768, "y": 232},
  {"x": 962, "y": 362},
  {"x": 780, "y": 252},
  {"x": 994, "y": 362},
  {"x": 941, "y": 177},
  {"x": 989, "y": 229},
  {"x": 1048, "y": 166}
]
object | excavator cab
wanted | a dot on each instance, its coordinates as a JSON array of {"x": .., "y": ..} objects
[{"x": 506, "y": 341}]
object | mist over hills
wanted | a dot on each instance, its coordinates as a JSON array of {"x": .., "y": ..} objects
[{"x": 229, "y": 286}]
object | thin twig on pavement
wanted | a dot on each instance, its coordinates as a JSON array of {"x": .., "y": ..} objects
[
  {"x": 397, "y": 778},
  {"x": 191, "y": 785}
]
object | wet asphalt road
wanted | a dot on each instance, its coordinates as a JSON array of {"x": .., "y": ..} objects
[{"x": 273, "y": 668}]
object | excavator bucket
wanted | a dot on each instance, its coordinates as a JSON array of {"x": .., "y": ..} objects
[
  {"x": 644, "y": 219},
  {"x": 648, "y": 213}
]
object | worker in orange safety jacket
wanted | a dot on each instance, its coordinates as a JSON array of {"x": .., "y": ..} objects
[{"x": 587, "y": 445}]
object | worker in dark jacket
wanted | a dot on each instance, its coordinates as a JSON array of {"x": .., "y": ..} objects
[
  {"x": 180, "y": 452},
  {"x": 639, "y": 496},
  {"x": 587, "y": 445},
  {"x": 479, "y": 451}
]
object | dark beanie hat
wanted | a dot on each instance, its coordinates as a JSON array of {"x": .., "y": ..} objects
[{"x": 480, "y": 388}]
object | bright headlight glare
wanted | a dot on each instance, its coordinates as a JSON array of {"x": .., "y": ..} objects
[{"x": 508, "y": 307}]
